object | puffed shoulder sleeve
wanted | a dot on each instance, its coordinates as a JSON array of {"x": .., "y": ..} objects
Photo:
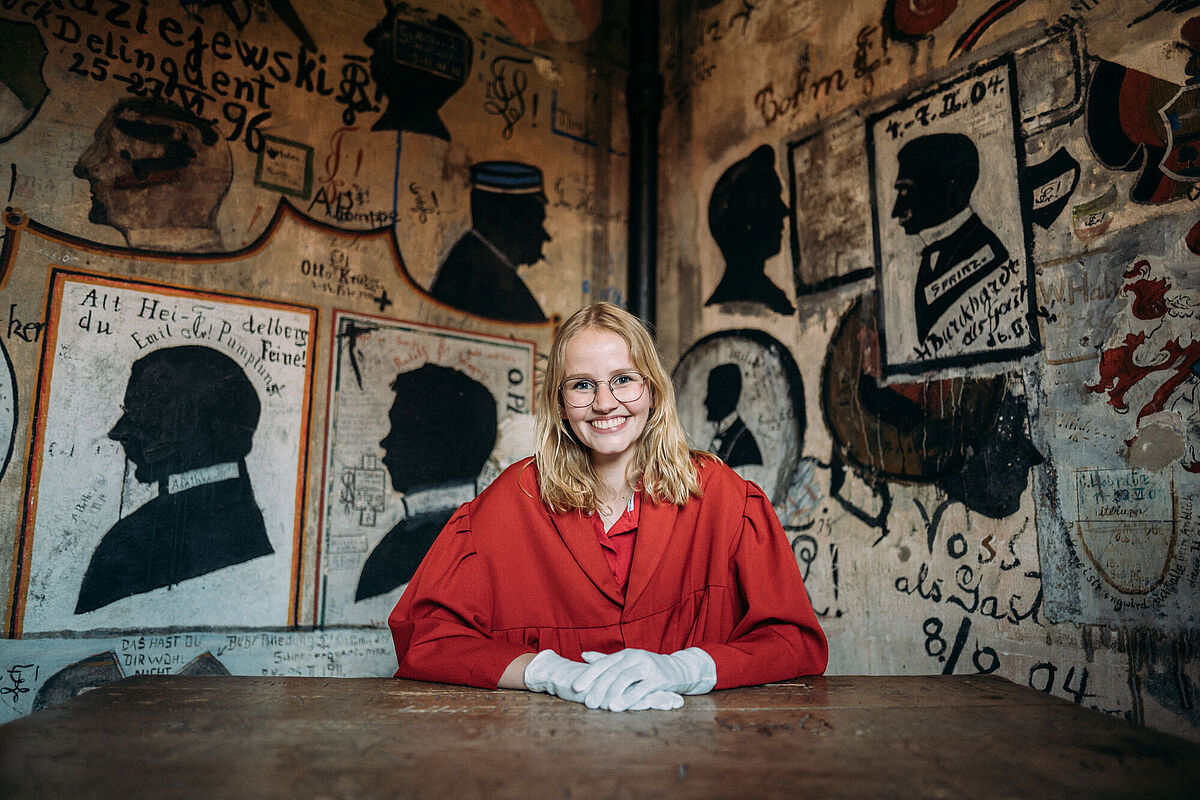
[
  {"x": 441, "y": 626},
  {"x": 778, "y": 636}
]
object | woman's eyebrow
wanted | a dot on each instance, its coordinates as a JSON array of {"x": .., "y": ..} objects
[{"x": 591, "y": 377}]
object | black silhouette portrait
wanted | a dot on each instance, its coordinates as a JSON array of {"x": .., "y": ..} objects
[
  {"x": 745, "y": 217},
  {"x": 158, "y": 174},
  {"x": 733, "y": 442},
  {"x": 937, "y": 174},
  {"x": 418, "y": 62},
  {"x": 508, "y": 212},
  {"x": 994, "y": 472},
  {"x": 443, "y": 430},
  {"x": 189, "y": 419},
  {"x": 22, "y": 88}
]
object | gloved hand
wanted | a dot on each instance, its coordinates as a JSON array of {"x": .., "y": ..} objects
[
  {"x": 627, "y": 678},
  {"x": 551, "y": 673},
  {"x": 659, "y": 701}
]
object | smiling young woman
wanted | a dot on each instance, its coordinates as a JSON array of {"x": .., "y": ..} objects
[{"x": 617, "y": 567}]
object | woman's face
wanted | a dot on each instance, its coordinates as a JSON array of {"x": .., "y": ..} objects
[{"x": 608, "y": 428}]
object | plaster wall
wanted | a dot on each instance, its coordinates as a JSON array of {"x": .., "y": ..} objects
[
  {"x": 222, "y": 322},
  {"x": 970, "y": 228}
]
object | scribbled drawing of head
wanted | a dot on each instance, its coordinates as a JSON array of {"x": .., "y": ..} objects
[
  {"x": 153, "y": 167},
  {"x": 22, "y": 88},
  {"x": 418, "y": 62},
  {"x": 966, "y": 435},
  {"x": 937, "y": 174},
  {"x": 745, "y": 212},
  {"x": 185, "y": 407},
  {"x": 508, "y": 206},
  {"x": 724, "y": 391},
  {"x": 994, "y": 472},
  {"x": 443, "y": 428}
]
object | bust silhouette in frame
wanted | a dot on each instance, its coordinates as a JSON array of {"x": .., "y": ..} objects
[
  {"x": 936, "y": 177},
  {"x": 733, "y": 442},
  {"x": 508, "y": 212},
  {"x": 189, "y": 419},
  {"x": 443, "y": 430},
  {"x": 745, "y": 217},
  {"x": 158, "y": 174}
]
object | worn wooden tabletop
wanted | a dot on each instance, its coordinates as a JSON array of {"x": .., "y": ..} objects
[{"x": 853, "y": 736}]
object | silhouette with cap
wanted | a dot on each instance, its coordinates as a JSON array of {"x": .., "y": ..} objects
[
  {"x": 189, "y": 419},
  {"x": 443, "y": 430},
  {"x": 508, "y": 212}
]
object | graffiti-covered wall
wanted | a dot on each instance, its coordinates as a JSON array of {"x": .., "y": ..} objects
[
  {"x": 926, "y": 270},
  {"x": 936, "y": 276},
  {"x": 274, "y": 286}
]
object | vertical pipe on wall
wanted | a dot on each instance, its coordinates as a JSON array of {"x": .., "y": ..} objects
[{"x": 643, "y": 98}]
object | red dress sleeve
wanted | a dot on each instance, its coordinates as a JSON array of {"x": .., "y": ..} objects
[
  {"x": 777, "y": 637},
  {"x": 441, "y": 625}
]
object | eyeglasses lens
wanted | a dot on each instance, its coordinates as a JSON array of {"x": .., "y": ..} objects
[{"x": 626, "y": 388}]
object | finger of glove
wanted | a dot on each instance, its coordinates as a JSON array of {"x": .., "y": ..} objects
[
  {"x": 650, "y": 677},
  {"x": 565, "y": 693},
  {"x": 562, "y": 679},
  {"x": 634, "y": 695},
  {"x": 562, "y": 688},
  {"x": 598, "y": 667},
  {"x": 611, "y": 685},
  {"x": 659, "y": 701}
]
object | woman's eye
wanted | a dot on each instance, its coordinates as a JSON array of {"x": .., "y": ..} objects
[
  {"x": 582, "y": 386},
  {"x": 622, "y": 380}
]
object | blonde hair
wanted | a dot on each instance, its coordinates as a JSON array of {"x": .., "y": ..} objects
[{"x": 663, "y": 465}]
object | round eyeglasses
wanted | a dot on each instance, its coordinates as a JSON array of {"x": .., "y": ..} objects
[{"x": 626, "y": 387}]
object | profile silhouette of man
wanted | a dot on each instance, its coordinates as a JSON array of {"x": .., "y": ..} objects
[
  {"x": 936, "y": 177},
  {"x": 418, "y": 61},
  {"x": 733, "y": 442},
  {"x": 443, "y": 430},
  {"x": 158, "y": 174},
  {"x": 745, "y": 217},
  {"x": 189, "y": 419},
  {"x": 508, "y": 215}
]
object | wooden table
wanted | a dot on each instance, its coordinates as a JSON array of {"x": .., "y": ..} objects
[{"x": 224, "y": 737}]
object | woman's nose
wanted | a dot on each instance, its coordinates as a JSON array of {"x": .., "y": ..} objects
[{"x": 604, "y": 397}]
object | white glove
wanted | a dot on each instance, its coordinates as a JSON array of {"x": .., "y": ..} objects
[
  {"x": 627, "y": 678},
  {"x": 551, "y": 673}
]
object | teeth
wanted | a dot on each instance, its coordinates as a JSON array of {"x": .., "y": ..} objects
[{"x": 608, "y": 424}]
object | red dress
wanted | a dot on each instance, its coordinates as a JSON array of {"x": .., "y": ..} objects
[{"x": 506, "y": 577}]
